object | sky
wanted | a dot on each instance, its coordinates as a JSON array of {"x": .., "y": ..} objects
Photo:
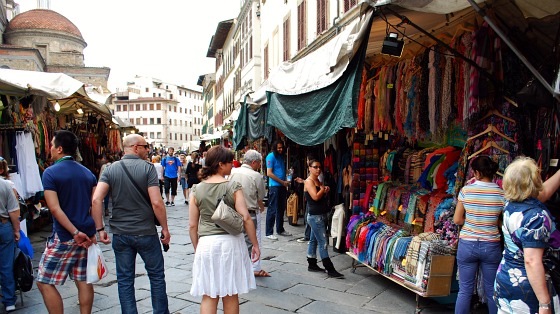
[{"x": 164, "y": 39}]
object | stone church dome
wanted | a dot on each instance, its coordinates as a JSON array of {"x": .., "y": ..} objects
[{"x": 46, "y": 20}]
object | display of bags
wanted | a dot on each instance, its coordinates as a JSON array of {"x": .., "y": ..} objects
[
  {"x": 96, "y": 267},
  {"x": 228, "y": 218}
]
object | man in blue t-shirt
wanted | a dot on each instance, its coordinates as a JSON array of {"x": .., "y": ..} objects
[
  {"x": 68, "y": 191},
  {"x": 277, "y": 191},
  {"x": 171, "y": 176}
]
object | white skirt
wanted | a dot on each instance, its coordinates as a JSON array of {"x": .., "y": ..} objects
[{"x": 222, "y": 267}]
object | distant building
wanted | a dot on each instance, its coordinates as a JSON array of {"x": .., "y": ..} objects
[
  {"x": 167, "y": 115},
  {"x": 45, "y": 41}
]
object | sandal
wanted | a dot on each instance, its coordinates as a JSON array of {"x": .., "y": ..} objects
[{"x": 261, "y": 273}]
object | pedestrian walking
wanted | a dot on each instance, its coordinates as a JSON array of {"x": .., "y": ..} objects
[
  {"x": 193, "y": 167},
  {"x": 107, "y": 160},
  {"x": 183, "y": 176},
  {"x": 170, "y": 165},
  {"x": 221, "y": 267},
  {"x": 68, "y": 191},
  {"x": 9, "y": 235},
  {"x": 277, "y": 191},
  {"x": 133, "y": 183},
  {"x": 156, "y": 160},
  {"x": 254, "y": 191},
  {"x": 316, "y": 194}
]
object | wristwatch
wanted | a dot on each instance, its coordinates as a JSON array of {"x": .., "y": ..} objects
[
  {"x": 544, "y": 306},
  {"x": 75, "y": 233}
]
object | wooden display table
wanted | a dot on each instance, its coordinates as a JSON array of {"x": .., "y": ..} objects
[{"x": 439, "y": 279}]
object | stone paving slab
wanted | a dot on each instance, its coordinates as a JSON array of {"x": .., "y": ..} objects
[
  {"x": 328, "y": 295},
  {"x": 255, "y": 307},
  {"x": 277, "y": 299},
  {"x": 331, "y": 308}
]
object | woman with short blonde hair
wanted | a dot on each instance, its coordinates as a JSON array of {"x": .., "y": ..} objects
[
  {"x": 521, "y": 285},
  {"x": 522, "y": 180}
]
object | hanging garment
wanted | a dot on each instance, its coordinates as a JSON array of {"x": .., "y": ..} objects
[{"x": 27, "y": 165}]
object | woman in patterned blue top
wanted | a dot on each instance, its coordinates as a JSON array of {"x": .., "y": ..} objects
[{"x": 521, "y": 285}]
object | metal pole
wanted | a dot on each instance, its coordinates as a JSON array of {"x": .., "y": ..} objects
[
  {"x": 521, "y": 57},
  {"x": 446, "y": 46}
]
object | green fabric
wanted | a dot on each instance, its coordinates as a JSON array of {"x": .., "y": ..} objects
[
  {"x": 311, "y": 118},
  {"x": 240, "y": 127}
]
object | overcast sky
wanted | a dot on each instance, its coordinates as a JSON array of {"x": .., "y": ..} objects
[{"x": 165, "y": 39}]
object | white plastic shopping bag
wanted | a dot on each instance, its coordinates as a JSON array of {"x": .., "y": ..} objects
[{"x": 96, "y": 267}]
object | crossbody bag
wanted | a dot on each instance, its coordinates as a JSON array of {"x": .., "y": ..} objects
[{"x": 144, "y": 194}]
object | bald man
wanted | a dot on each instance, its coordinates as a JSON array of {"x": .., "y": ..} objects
[{"x": 132, "y": 222}]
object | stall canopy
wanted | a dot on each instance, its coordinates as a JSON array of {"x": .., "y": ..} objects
[
  {"x": 313, "y": 98},
  {"x": 70, "y": 93}
]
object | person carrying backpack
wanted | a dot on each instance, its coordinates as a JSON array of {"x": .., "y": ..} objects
[{"x": 9, "y": 235}]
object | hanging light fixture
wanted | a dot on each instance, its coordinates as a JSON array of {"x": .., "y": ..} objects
[
  {"x": 57, "y": 106},
  {"x": 392, "y": 45},
  {"x": 80, "y": 111}
]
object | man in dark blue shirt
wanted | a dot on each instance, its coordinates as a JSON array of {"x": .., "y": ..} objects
[
  {"x": 277, "y": 191},
  {"x": 69, "y": 187}
]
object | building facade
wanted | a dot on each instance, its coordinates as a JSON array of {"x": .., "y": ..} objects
[
  {"x": 167, "y": 115},
  {"x": 263, "y": 36}
]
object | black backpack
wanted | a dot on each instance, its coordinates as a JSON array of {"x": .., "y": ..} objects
[{"x": 23, "y": 271}]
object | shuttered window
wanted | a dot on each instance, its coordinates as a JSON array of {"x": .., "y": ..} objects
[
  {"x": 286, "y": 39},
  {"x": 302, "y": 25},
  {"x": 322, "y": 18},
  {"x": 265, "y": 52},
  {"x": 349, "y": 4}
]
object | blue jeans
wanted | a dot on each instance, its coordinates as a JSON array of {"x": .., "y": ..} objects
[
  {"x": 276, "y": 208},
  {"x": 470, "y": 256},
  {"x": 7, "y": 247},
  {"x": 318, "y": 237},
  {"x": 149, "y": 247}
]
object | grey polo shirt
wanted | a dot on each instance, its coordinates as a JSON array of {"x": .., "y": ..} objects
[
  {"x": 132, "y": 215},
  {"x": 252, "y": 183},
  {"x": 8, "y": 202}
]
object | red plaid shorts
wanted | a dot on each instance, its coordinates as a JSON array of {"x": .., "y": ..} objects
[{"x": 61, "y": 259}]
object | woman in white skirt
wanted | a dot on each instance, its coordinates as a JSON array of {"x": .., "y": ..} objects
[{"x": 222, "y": 267}]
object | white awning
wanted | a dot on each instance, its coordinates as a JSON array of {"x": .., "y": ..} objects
[{"x": 50, "y": 85}]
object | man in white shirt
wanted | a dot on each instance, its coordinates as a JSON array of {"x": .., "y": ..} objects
[{"x": 254, "y": 191}]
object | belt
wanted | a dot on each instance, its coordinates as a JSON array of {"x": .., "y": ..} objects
[{"x": 4, "y": 220}]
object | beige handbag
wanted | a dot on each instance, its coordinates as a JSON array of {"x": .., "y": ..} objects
[{"x": 227, "y": 218}]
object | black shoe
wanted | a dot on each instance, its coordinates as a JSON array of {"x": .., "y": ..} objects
[
  {"x": 330, "y": 269},
  {"x": 187, "y": 202},
  {"x": 312, "y": 262},
  {"x": 172, "y": 204},
  {"x": 166, "y": 203}
]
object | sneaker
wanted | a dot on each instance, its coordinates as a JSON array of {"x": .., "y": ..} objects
[
  {"x": 166, "y": 203},
  {"x": 285, "y": 233},
  {"x": 186, "y": 203},
  {"x": 172, "y": 204},
  {"x": 302, "y": 240},
  {"x": 272, "y": 237},
  {"x": 10, "y": 308}
]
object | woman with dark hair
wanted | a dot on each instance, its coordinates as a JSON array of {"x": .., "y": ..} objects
[
  {"x": 221, "y": 267},
  {"x": 315, "y": 194},
  {"x": 191, "y": 171},
  {"x": 479, "y": 206}
]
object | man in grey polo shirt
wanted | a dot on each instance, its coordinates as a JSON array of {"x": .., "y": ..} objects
[
  {"x": 132, "y": 222},
  {"x": 9, "y": 234},
  {"x": 254, "y": 192}
]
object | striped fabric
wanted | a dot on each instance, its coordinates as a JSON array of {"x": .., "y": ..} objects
[{"x": 484, "y": 203}]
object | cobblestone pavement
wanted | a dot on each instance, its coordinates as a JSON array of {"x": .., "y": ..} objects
[{"x": 290, "y": 289}]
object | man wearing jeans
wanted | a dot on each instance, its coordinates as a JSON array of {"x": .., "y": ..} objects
[
  {"x": 277, "y": 191},
  {"x": 9, "y": 234},
  {"x": 132, "y": 222}
]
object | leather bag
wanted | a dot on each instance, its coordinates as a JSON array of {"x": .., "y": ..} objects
[{"x": 227, "y": 218}]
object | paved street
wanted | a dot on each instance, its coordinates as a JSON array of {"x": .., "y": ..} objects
[{"x": 291, "y": 289}]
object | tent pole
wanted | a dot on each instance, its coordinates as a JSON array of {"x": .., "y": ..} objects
[
  {"x": 446, "y": 46},
  {"x": 521, "y": 57}
]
